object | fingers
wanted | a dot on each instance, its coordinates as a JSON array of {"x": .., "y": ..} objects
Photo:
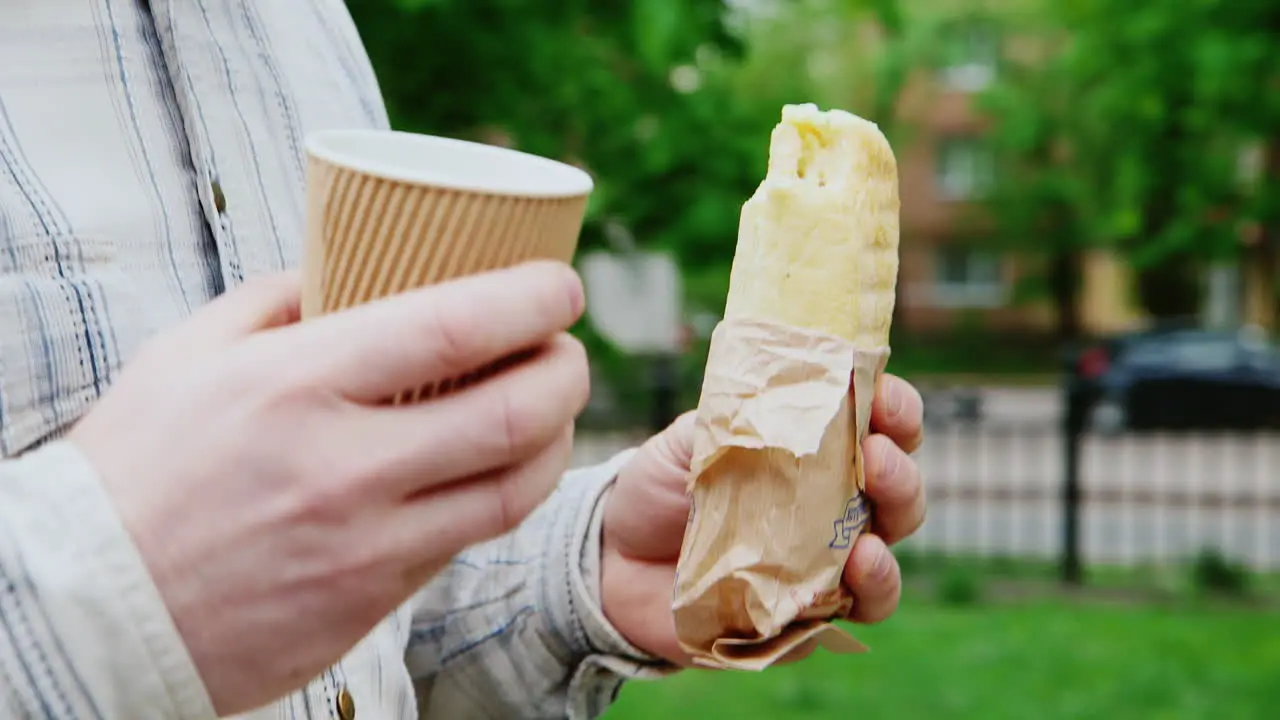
[
  {"x": 371, "y": 352},
  {"x": 898, "y": 412},
  {"x": 648, "y": 508},
  {"x": 895, "y": 489},
  {"x": 474, "y": 510},
  {"x": 503, "y": 421},
  {"x": 261, "y": 303},
  {"x": 873, "y": 576}
]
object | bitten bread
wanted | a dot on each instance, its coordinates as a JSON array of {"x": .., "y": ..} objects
[
  {"x": 818, "y": 241},
  {"x": 777, "y": 477}
]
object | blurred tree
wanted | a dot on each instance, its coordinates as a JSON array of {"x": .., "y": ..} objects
[
  {"x": 851, "y": 54},
  {"x": 629, "y": 90},
  {"x": 1130, "y": 133},
  {"x": 1036, "y": 202},
  {"x": 639, "y": 93}
]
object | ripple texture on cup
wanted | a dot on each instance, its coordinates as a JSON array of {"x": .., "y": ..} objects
[{"x": 369, "y": 237}]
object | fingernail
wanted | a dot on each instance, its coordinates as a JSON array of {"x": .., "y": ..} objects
[
  {"x": 883, "y": 566},
  {"x": 577, "y": 296},
  {"x": 890, "y": 460},
  {"x": 895, "y": 400}
]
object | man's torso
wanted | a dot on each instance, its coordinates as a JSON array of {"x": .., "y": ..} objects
[{"x": 151, "y": 157}]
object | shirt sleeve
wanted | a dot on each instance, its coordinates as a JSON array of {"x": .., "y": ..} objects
[
  {"x": 513, "y": 627},
  {"x": 84, "y": 632}
]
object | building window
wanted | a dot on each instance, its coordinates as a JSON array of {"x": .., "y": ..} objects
[
  {"x": 965, "y": 168},
  {"x": 970, "y": 53},
  {"x": 967, "y": 278}
]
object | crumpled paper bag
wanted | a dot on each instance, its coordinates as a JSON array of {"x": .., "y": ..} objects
[{"x": 777, "y": 488}]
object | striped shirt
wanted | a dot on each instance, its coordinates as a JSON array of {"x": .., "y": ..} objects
[{"x": 150, "y": 159}]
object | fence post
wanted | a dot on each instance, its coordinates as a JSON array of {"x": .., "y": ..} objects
[{"x": 1072, "y": 429}]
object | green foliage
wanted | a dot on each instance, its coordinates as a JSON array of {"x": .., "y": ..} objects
[
  {"x": 1055, "y": 659},
  {"x": 636, "y": 92},
  {"x": 1215, "y": 574},
  {"x": 959, "y": 585},
  {"x": 1125, "y": 132},
  {"x": 669, "y": 103},
  {"x": 1174, "y": 97},
  {"x": 1115, "y": 127}
]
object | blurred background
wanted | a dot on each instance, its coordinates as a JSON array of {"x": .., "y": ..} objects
[{"x": 1087, "y": 299}]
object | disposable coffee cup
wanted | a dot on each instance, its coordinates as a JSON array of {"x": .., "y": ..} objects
[{"x": 391, "y": 211}]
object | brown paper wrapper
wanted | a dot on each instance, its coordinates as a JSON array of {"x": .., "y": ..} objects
[
  {"x": 777, "y": 489},
  {"x": 370, "y": 236}
]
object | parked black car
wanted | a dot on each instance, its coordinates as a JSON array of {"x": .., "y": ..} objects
[{"x": 1177, "y": 379}]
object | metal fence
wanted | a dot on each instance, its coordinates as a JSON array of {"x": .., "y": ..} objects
[
  {"x": 997, "y": 489},
  {"x": 1144, "y": 498}
]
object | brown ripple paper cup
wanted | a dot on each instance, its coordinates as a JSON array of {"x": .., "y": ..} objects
[{"x": 391, "y": 211}]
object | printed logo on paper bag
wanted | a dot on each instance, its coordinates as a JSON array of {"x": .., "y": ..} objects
[{"x": 850, "y": 525}]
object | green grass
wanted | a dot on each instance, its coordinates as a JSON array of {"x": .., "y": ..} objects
[{"x": 1044, "y": 658}]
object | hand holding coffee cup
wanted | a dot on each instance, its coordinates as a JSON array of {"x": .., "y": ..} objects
[
  {"x": 391, "y": 211},
  {"x": 312, "y": 507}
]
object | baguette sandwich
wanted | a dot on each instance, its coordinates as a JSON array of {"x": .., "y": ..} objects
[{"x": 777, "y": 477}]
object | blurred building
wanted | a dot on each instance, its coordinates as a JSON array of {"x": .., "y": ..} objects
[{"x": 948, "y": 279}]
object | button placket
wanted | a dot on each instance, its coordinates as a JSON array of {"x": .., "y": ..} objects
[
  {"x": 219, "y": 198},
  {"x": 346, "y": 705}
]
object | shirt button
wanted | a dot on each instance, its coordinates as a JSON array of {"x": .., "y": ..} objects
[
  {"x": 346, "y": 705},
  {"x": 219, "y": 200}
]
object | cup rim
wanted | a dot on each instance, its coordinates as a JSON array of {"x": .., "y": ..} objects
[{"x": 396, "y": 155}]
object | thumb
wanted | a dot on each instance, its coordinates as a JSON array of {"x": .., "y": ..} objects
[
  {"x": 261, "y": 303},
  {"x": 646, "y": 512}
]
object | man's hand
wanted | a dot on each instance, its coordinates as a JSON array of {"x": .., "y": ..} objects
[
  {"x": 646, "y": 512},
  {"x": 284, "y": 507}
]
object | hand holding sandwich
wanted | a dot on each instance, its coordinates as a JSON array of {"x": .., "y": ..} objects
[{"x": 646, "y": 513}]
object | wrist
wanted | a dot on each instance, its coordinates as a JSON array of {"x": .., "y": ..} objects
[
  {"x": 608, "y": 634},
  {"x": 578, "y": 616},
  {"x": 81, "y": 567}
]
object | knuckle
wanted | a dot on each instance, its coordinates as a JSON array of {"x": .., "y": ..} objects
[
  {"x": 330, "y": 483},
  {"x": 520, "y": 493},
  {"x": 325, "y": 496},
  {"x": 292, "y": 394},
  {"x": 577, "y": 370},
  {"x": 517, "y": 421},
  {"x": 445, "y": 336},
  {"x": 572, "y": 347},
  {"x": 495, "y": 513},
  {"x": 552, "y": 300},
  {"x": 507, "y": 513}
]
